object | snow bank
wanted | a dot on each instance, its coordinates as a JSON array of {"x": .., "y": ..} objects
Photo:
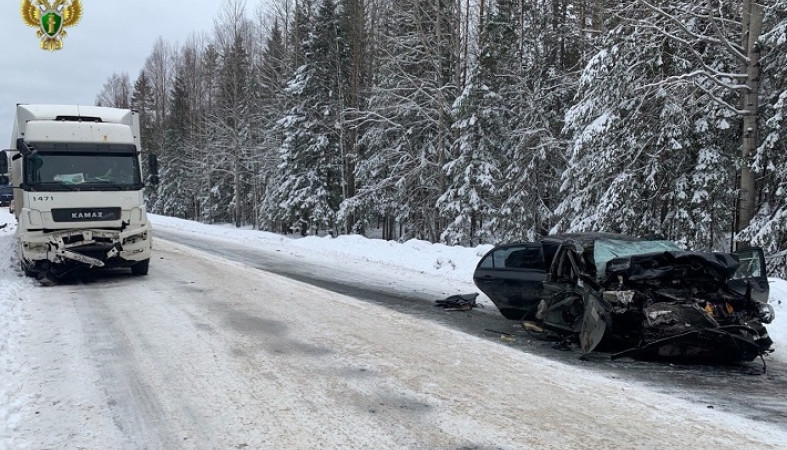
[{"x": 778, "y": 329}]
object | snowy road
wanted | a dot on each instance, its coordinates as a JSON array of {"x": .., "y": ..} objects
[
  {"x": 741, "y": 389},
  {"x": 207, "y": 353}
]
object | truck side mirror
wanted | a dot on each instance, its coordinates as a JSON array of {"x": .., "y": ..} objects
[
  {"x": 3, "y": 162},
  {"x": 153, "y": 167}
]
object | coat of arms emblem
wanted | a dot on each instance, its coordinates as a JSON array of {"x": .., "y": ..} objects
[{"x": 51, "y": 19}]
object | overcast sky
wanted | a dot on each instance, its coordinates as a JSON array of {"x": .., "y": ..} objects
[{"x": 113, "y": 36}]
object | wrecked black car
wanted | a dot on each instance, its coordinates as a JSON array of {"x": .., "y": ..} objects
[{"x": 640, "y": 298}]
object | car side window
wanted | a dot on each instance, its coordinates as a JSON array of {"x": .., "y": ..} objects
[
  {"x": 516, "y": 257},
  {"x": 526, "y": 258}
]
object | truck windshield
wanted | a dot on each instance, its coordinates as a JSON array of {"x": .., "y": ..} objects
[{"x": 82, "y": 171}]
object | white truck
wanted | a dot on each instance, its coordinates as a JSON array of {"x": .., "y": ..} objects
[{"x": 78, "y": 190}]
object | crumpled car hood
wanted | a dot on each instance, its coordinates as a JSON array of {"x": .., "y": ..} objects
[{"x": 674, "y": 265}]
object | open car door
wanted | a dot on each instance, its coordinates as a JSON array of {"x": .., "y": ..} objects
[
  {"x": 751, "y": 274},
  {"x": 595, "y": 319},
  {"x": 572, "y": 301},
  {"x": 511, "y": 276}
]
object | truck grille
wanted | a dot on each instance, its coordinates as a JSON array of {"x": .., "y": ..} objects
[{"x": 85, "y": 214}]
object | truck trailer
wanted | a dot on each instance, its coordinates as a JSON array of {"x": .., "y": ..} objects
[{"x": 77, "y": 182}]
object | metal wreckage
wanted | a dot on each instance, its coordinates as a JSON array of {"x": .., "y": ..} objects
[{"x": 639, "y": 298}]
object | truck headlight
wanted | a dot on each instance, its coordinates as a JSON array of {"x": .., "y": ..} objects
[
  {"x": 37, "y": 246},
  {"x": 134, "y": 238},
  {"x": 34, "y": 218}
]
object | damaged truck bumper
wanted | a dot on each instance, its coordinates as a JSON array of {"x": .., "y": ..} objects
[{"x": 61, "y": 251}]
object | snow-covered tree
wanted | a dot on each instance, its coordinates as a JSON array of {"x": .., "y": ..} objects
[
  {"x": 483, "y": 122},
  {"x": 305, "y": 192},
  {"x": 768, "y": 228},
  {"x": 229, "y": 143},
  {"x": 409, "y": 115},
  {"x": 142, "y": 102},
  {"x": 174, "y": 193},
  {"x": 650, "y": 154},
  {"x": 541, "y": 80},
  {"x": 479, "y": 121},
  {"x": 158, "y": 68}
]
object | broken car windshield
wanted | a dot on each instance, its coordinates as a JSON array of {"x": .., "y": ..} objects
[{"x": 608, "y": 249}]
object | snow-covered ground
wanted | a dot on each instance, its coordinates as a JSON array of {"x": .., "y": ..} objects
[{"x": 74, "y": 375}]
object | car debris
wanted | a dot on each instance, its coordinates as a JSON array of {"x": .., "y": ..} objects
[
  {"x": 633, "y": 297},
  {"x": 505, "y": 337},
  {"x": 458, "y": 302}
]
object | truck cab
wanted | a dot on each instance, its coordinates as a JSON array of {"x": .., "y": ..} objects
[{"x": 77, "y": 188}]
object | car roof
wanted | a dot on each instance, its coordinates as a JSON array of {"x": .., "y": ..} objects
[
  {"x": 590, "y": 237},
  {"x": 587, "y": 239}
]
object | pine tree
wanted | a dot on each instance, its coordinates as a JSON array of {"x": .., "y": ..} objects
[
  {"x": 353, "y": 74},
  {"x": 483, "y": 123},
  {"x": 142, "y": 102},
  {"x": 306, "y": 190},
  {"x": 175, "y": 188},
  {"x": 273, "y": 64},
  {"x": 231, "y": 145}
]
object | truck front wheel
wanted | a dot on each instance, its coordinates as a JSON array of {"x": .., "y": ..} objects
[
  {"x": 28, "y": 269},
  {"x": 141, "y": 268}
]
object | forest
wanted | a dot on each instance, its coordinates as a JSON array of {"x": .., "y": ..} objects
[{"x": 475, "y": 121}]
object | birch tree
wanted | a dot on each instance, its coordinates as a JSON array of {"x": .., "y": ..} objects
[
  {"x": 116, "y": 92},
  {"x": 768, "y": 228},
  {"x": 158, "y": 68},
  {"x": 710, "y": 33}
]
